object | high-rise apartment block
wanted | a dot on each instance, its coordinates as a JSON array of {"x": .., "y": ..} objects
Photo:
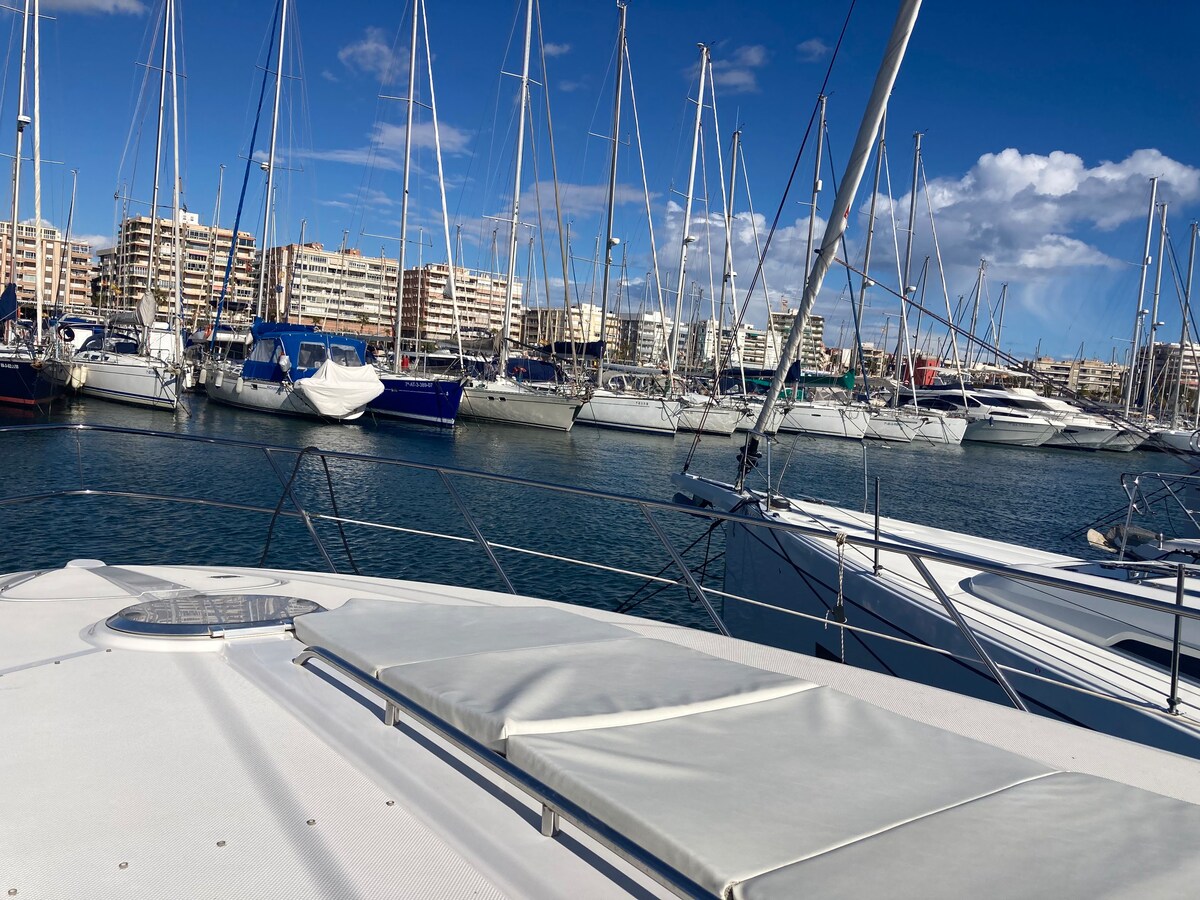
[
  {"x": 133, "y": 266},
  {"x": 66, "y": 267}
]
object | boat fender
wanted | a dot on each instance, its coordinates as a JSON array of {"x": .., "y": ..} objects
[
  {"x": 218, "y": 378},
  {"x": 189, "y": 380},
  {"x": 203, "y": 375},
  {"x": 241, "y": 382},
  {"x": 66, "y": 333},
  {"x": 78, "y": 377}
]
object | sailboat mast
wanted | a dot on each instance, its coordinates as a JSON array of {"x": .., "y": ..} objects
[
  {"x": 151, "y": 305},
  {"x": 516, "y": 201},
  {"x": 687, "y": 239},
  {"x": 609, "y": 240},
  {"x": 408, "y": 126},
  {"x": 22, "y": 121},
  {"x": 1137, "y": 310},
  {"x": 1183, "y": 330},
  {"x": 269, "y": 165},
  {"x": 816, "y": 186},
  {"x": 39, "y": 263},
  {"x": 729, "y": 276},
  {"x": 451, "y": 277},
  {"x": 906, "y": 287},
  {"x": 1150, "y": 349},
  {"x": 835, "y": 226},
  {"x": 62, "y": 287},
  {"x": 176, "y": 316}
]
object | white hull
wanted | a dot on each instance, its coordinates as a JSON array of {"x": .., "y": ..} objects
[
  {"x": 941, "y": 430},
  {"x": 749, "y": 416},
  {"x": 1181, "y": 440},
  {"x": 890, "y": 426},
  {"x": 265, "y": 396},
  {"x": 1082, "y": 437},
  {"x": 1017, "y": 432},
  {"x": 507, "y": 403},
  {"x": 1126, "y": 440},
  {"x": 125, "y": 378},
  {"x": 798, "y": 573},
  {"x": 629, "y": 412},
  {"x": 710, "y": 418},
  {"x": 825, "y": 420}
]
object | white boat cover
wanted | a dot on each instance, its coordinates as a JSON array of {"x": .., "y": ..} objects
[
  {"x": 377, "y": 634},
  {"x": 337, "y": 391},
  {"x": 757, "y": 785},
  {"x": 494, "y": 696}
]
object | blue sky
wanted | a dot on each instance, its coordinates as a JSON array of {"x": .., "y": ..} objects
[{"x": 1041, "y": 129}]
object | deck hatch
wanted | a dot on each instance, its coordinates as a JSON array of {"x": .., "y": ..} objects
[{"x": 210, "y": 615}]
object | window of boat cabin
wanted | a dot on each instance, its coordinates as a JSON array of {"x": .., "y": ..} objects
[
  {"x": 344, "y": 355},
  {"x": 264, "y": 351},
  {"x": 311, "y": 355}
]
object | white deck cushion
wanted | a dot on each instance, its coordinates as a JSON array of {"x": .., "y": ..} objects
[
  {"x": 377, "y": 634},
  {"x": 493, "y": 696},
  {"x": 726, "y": 795},
  {"x": 1066, "y": 835}
]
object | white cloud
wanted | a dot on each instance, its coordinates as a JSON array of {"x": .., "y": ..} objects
[
  {"x": 135, "y": 7},
  {"x": 737, "y": 72},
  {"x": 385, "y": 146},
  {"x": 556, "y": 49},
  {"x": 374, "y": 54},
  {"x": 812, "y": 50},
  {"x": 95, "y": 241}
]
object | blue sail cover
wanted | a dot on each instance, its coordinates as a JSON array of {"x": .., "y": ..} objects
[
  {"x": 305, "y": 347},
  {"x": 8, "y": 303}
]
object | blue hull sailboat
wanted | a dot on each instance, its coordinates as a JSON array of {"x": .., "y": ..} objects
[{"x": 433, "y": 401}]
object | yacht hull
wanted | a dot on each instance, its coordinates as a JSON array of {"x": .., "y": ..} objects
[
  {"x": 709, "y": 419},
  {"x": 825, "y": 421},
  {"x": 1125, "y": 440},
  {"x": 25, "y": 383},
  {"x": 124, "y": 378},
  {"x": 798, "y": 574},
  {"x": 1014, "y": 432},
  {"x": 431, "y": 401},
  {"x": 270, "y": 397},
  {"x": 1082, "y": 437},
  {"x": 492, "y": 403},
  {"x": 653, "y": 415},
  {"x": 885, "y": 426}
]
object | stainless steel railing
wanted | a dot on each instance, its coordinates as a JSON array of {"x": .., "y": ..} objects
[{"x": 287, "y": 475}]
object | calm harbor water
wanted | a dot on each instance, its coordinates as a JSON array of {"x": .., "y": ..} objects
[{"x": 1032, "y": 497}]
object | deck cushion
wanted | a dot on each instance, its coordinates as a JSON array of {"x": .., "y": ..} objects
[
  {"x": 377, "y": 634},
  {"x": 1066, "y": 835},
  {"x": 726, "y": 795},
  {"x": 493, "y": 696}
]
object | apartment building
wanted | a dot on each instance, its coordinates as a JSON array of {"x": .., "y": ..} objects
[
  {"x": 429, "y": 314},
  {"x": 1102, "y": 379},
  {"x": 125, "y": 270},
  {"x": 340, "y": 290},
  {"x": 67, "y": 269},
  {"x": 556, "y": 324},
  {"x": 812, "y": 342}
]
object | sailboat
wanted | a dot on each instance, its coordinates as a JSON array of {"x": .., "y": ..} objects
[
  {"x": 500, "y": 398},
  {"x": 137, "y": 359},
  {"x": 25, "y": 380},
  {"x": 290, "y": 369},
  {"x": 648, "y": 407},
  {"x": 428, "y": 399}
]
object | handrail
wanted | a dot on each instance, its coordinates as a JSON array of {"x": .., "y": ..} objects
[
  {"x": 554, "y": 804},
  {"x": 915, "y": 553}
]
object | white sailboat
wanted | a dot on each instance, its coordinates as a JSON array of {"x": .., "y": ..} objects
[
  {"x": 141, "y": 362},
  {"x": 500, "y": 398}
]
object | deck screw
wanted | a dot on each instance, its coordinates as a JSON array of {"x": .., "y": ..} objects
[
  {"x": 312, "y": 821},
  {"x": 390, "y": 803},
  {"x": 57, "y": 661},
  {"x": 220, "y": 843},
  {"x": 12, "y": 892},
  {"x": 123, "y": 865}
]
